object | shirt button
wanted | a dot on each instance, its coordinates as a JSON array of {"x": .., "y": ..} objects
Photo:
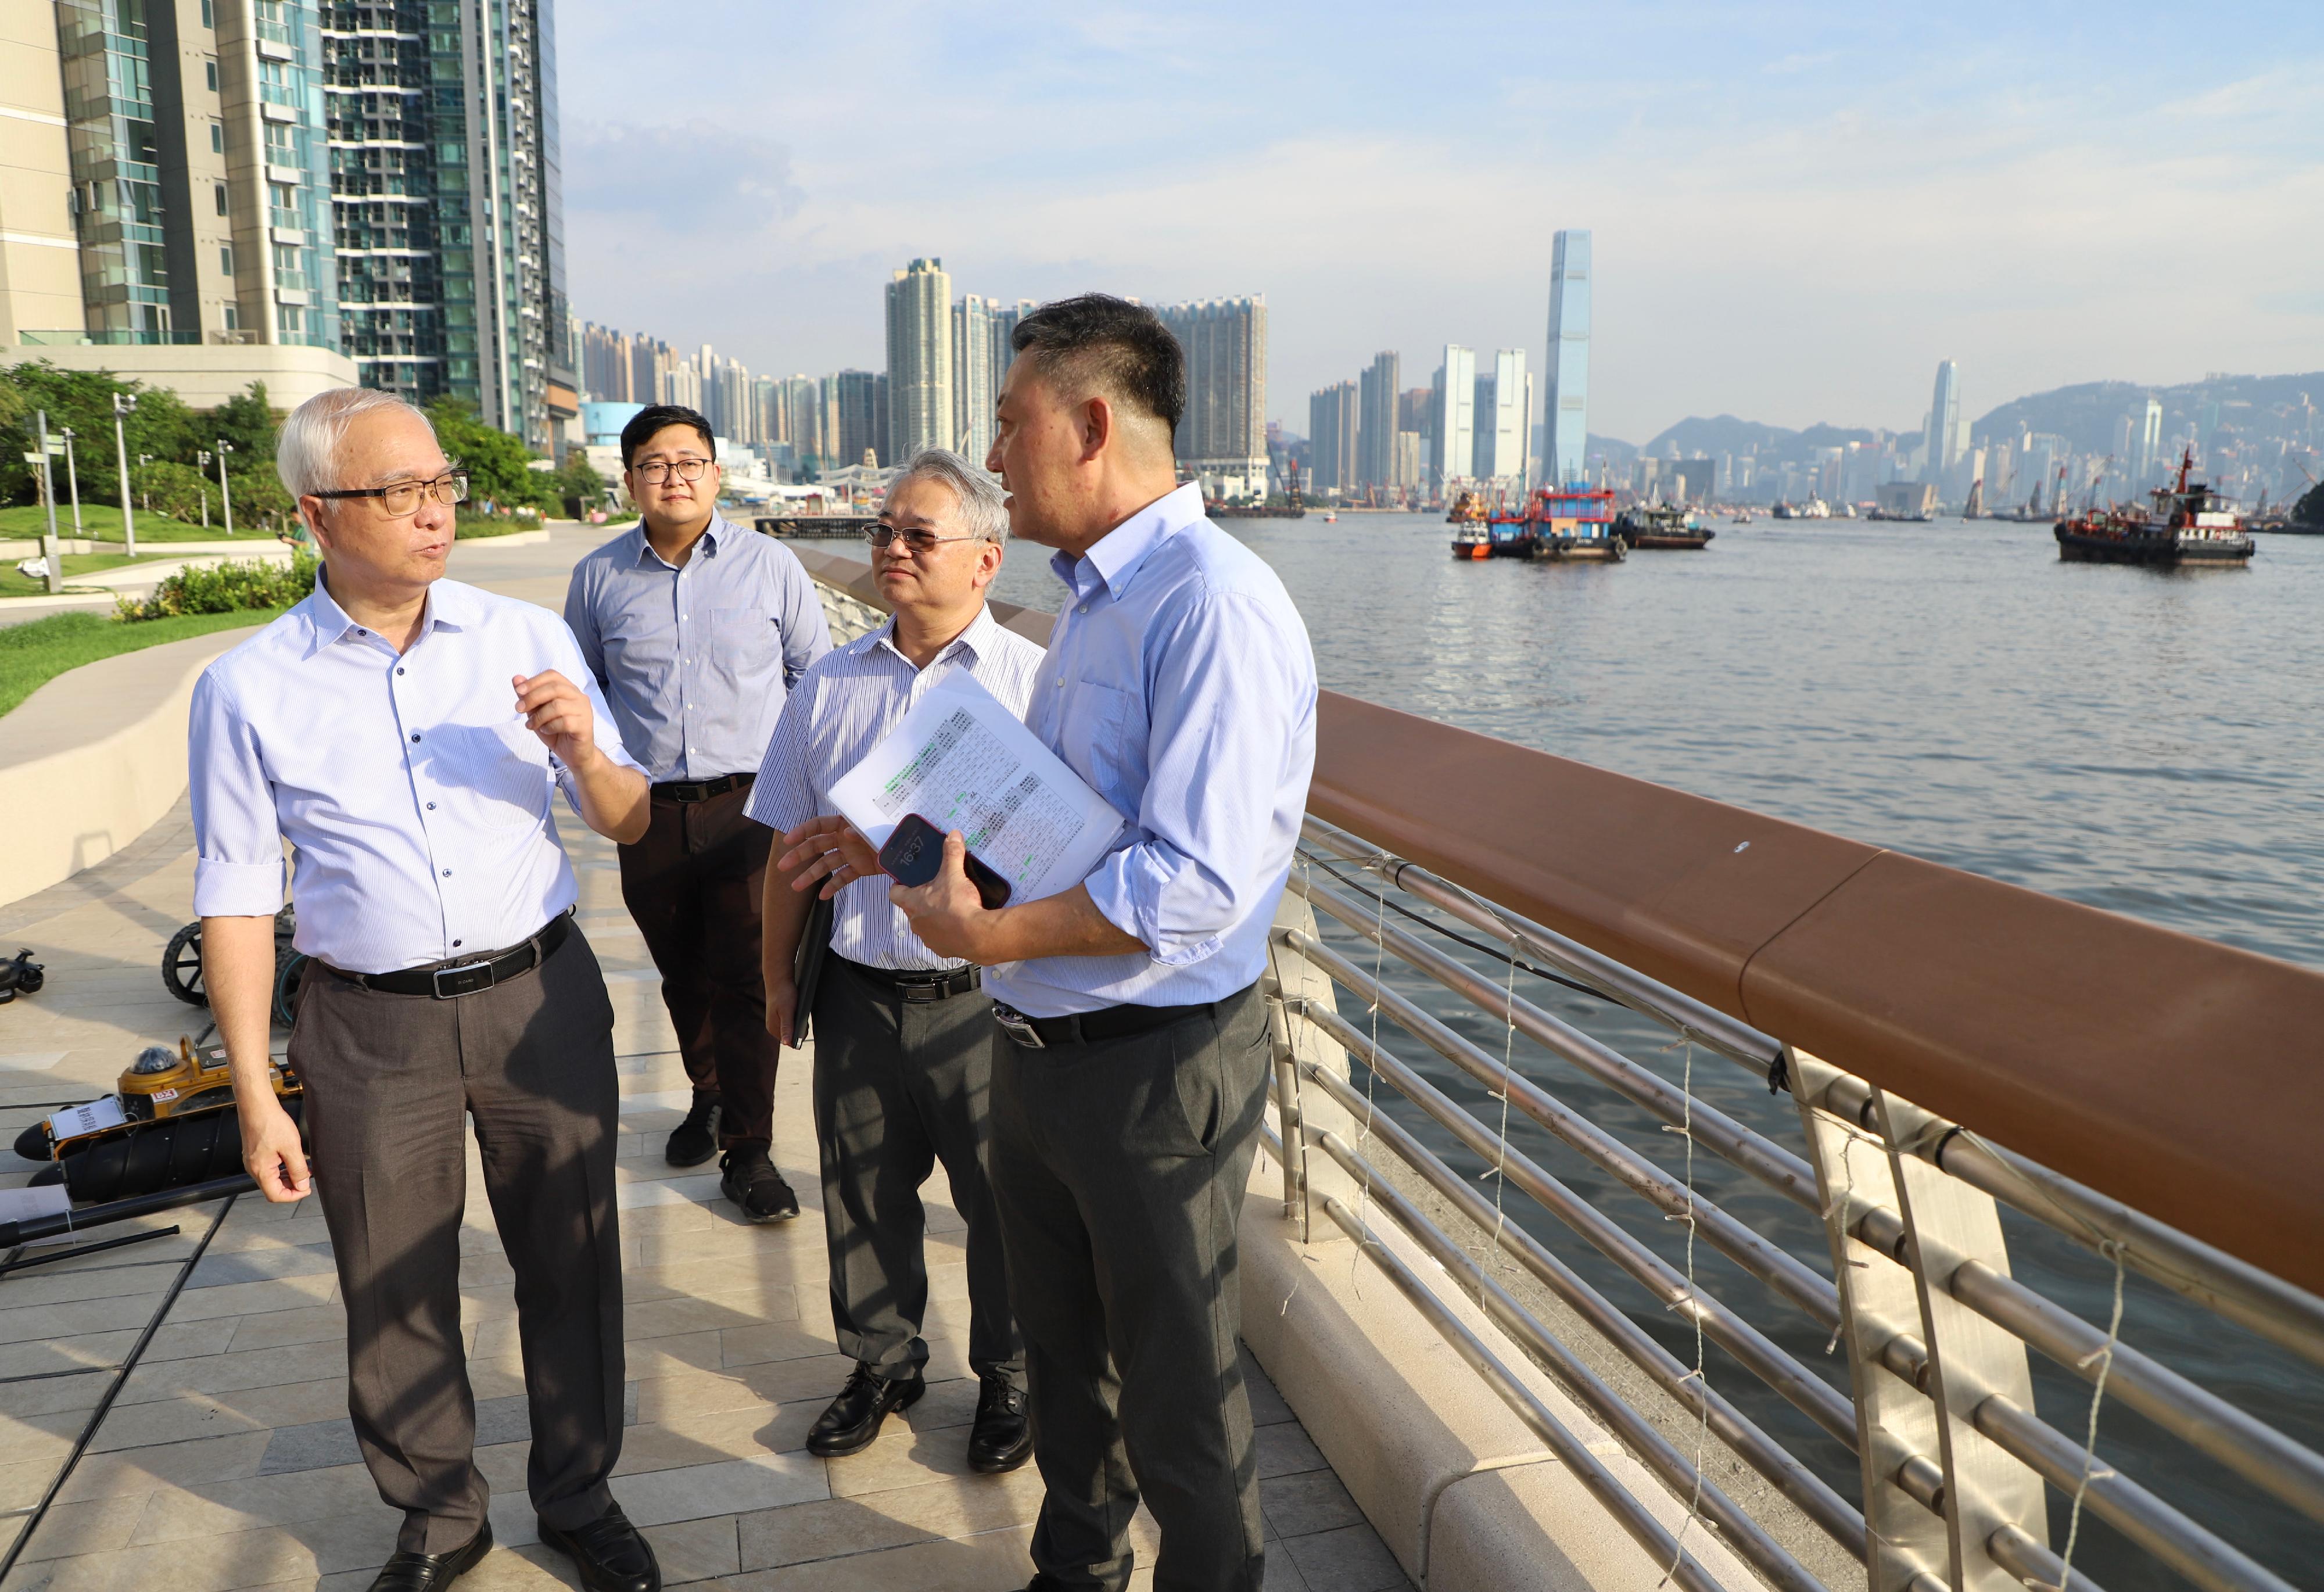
[
  {"x": 456, "y": 944},
  {"x": 431, "y": 806},
  {"x": 399, "y": 669},
  {"x": 1083, "y": 609},
  {"x": 415, "y": 735},
  {"x": 447, "y": 873}
]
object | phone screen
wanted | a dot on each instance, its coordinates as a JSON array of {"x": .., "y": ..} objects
[{"x": 914, "y": 853}]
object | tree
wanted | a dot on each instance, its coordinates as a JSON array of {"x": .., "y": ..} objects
[
  {"x": 245, "y": 421},
  {"x": 179, "y": 491},
  {"x": 579, "y": 487},
  {"x": 2309, "y": 509},
  {"x": 499, "y": 466},
  {"x": 160, "y": 425}
]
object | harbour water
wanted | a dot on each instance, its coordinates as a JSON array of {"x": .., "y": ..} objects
[{"x": 2151, "y": 742}]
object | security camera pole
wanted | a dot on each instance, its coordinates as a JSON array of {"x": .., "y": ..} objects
[
  {"x": 49, "y": 548},
  {"x": 224, "y": 495},
  {"x": 122, "y": 403}
]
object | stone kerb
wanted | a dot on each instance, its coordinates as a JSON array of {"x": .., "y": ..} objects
[{"x": 92, "y": 758}]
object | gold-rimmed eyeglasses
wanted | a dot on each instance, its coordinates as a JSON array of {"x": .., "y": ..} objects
[
  {"x": 400, "y": 498},
  {"x": 654, "y": 471},
  {"x": 918, "y": 540}
]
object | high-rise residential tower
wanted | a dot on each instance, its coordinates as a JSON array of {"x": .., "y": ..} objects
[
  {"x": 1222, "y": 440},
  {"x": 977, "y": 370},
  {"x": 1376, "y": 425},
  {"x": 1942, "y": 441},
  {"x": 1565, "y": 406},
  {"x": 919, "y": 361},
  {"x": 450, "y": 212},
  {"x": 1451, "y": 451},
  {"x": 1331, "y": 428},
  {"x": 2150, "y": 440}
]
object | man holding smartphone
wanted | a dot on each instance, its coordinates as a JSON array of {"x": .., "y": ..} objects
[
  {"x": 903, "y": 1060},
  {"x": 696, "y": 628},
  {"x": 1131, "y": 1070}
]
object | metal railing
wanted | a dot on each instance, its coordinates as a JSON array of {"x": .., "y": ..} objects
[
  {"x": 1423, "y": 1126},
  {"x": 1954, "y": 1472}
]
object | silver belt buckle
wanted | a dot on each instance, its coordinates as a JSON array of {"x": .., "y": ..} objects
[
  {"x": 1018, "y": 1027},
  {"x": 467, "y": 978}
]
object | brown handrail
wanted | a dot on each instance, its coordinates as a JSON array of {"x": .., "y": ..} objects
[{"x": 2179, "y": 1076}]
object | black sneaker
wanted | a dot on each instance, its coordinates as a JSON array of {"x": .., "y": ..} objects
[
  {"x": 750, "y": 1180},
  {"x": 694, "y": 1140}
]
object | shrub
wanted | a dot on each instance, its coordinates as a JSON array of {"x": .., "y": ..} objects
[{"x": 221, "y": 588}]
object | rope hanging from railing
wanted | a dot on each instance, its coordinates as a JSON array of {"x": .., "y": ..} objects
[
  {"x": 2104, "y": 1357},
  {"x": 1700, "y": 1373}
]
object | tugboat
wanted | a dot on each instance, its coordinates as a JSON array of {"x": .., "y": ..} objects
[
  {"x": 1659, "y": 525},
  {"x": 2188, "y": 524},
  {"x": 1473, "y": 533}
]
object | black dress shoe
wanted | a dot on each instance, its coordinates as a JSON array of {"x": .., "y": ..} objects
[
  {"x": 432, "y": 1572},
  {"x": 1003, "y": 1437},
  {"x": 853, "y": 1419},
  {"x": 694, "y": 1140},
  {"x": 757, "y": 1189},
  {"x": 608, "y": 1552}
]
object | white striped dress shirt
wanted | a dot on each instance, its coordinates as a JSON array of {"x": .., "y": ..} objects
[
  {"x": 841, "y": 708},
  {"x": 415, "y": 794}
]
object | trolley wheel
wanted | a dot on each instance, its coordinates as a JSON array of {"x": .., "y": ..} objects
[
  {"x": 286, "y": 987},
  {"x": 181, "y": 966}
]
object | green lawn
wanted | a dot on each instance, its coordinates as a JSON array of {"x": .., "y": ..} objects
[
  {"x": 36, "y": 652},
  {"x": 15, "y": 585},
  {"x": 102, "y": 522}
]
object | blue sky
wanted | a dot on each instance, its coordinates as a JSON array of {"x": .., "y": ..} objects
[{"x": 1798, "y": 207}]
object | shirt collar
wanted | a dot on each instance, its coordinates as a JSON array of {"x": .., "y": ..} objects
[
  {"x": 641, "y": 549},
  {"x": 976, "y": 640},
  {"x": 1119, "y": 553},
  {"x": 450, "y": 605}
]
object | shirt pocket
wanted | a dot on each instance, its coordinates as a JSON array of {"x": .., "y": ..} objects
[
  {"x": 1110, "y": 723},
  {"x": 745, "y": 643}
]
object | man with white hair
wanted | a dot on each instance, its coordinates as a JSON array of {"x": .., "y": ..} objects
[
  {"x": 403, "y": 733},
  {"x": 903, "y": 1061}
]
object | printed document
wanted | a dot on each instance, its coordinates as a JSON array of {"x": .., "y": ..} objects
[{"x": 962, "y": 760}]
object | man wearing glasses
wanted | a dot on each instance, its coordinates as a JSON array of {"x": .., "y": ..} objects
[
  {"x": 696, "y": 630},
  {"x": 903, "y": 1057},
  {"x": 404, "y": 733}
]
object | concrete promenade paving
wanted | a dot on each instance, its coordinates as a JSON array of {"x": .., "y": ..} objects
[{"x": 227, "y": 1460}]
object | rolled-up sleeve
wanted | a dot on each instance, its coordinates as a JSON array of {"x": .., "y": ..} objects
[
  {"x": 237, "y": 837},
  {"x": 1227, "y": 703},
  {"x": 783, "y": 797}
]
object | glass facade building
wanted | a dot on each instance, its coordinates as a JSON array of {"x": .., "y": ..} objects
[{"x": 1565, "y": 406}]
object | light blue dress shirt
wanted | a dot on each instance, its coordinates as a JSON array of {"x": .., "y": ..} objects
[
  {"x": 1180, "y": 685},
  {"x": 415, "y": 796},
  {"x": 840, "y": 709},
  {"x": 696, "y": 660}
]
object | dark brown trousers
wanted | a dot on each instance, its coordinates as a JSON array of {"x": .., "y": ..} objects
[
  {"x": 692, "y": 885},
  {"x": 388, "y": 1078}
]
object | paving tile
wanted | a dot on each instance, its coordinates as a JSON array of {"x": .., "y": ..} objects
[
  {"x": 730, "y": 1486},
  {"x": 1350, "y": 1560},
  {"x": 1307, "y": 1502},
  {"x": 981, "y": 1563},
  {"x": 1285, "y": 1448}
]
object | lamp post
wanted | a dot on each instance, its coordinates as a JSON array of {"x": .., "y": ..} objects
[
  {"x": 202, "y": 460},
  {"x": 72, "y": 475},
  {"x": 49, "y": 550},
  {"x": 226, "y": 495},
  {"x": 122, "y": 403}
]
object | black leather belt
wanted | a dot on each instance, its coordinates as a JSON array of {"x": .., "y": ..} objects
[
  {"x": 702, "y": 790},
  {"x": 467, "y": 978},
  {"x": 916, "y": 987},
  {"x": 1111, "y": 1022}
]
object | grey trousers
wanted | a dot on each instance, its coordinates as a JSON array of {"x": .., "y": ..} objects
[
  {"x": 389, "y": 1079},
  {"x": 900, "y": 1086},
  {"x": 1120, "y": 1167}
]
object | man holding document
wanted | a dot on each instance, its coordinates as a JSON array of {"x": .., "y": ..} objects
[
  {"x": 1131, "y": 1070},
  {"x": 903, "y": 1051}
]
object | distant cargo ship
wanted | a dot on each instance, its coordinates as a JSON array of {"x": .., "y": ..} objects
[
  {"x": 2188, "y": 524},
  {"x": 1661, "y": 527}
]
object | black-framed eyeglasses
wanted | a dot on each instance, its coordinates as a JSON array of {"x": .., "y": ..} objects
[
  {"x": 654, "y": 471},
  {"x": 401, "y": 499},
  {"x": 918, "y": 540}
]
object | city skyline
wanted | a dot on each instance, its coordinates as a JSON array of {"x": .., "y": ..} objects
[{"x": 1792, "y": 232}]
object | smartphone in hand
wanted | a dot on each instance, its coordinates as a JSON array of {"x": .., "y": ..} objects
[{"x": 914, "y": 855}]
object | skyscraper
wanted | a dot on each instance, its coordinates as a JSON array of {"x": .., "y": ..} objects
[
  {"x": 1565, "y": 409},
  {"x": 919, "y": 361},
  {"x": 1376, "y": 421},
  {"x": 1501, "y": 450},
  {"x": 1451, "y": 453},
  {"x": 448, "y": 204},
  {"x": 1222, "y": 440},
  {"x": 856, "y": 424},
  {"x": 1943, "y": 442},
  {"x": 976, "y": 368},
  {"x": 1331, "y": 426},
  {"x": 2149, "y": 439}
]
